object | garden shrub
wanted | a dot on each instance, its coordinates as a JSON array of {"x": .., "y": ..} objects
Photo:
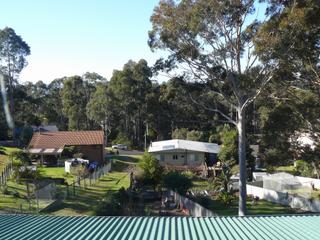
[
  {"x": 177, "y": 182},
  {"x": 226, "y": 198},
  {"x": 5, "y": 190},
  {"x": 16, "y": 194},
  {"x": 151, "y": 170},
  {"x": 270, "y": 169},
  {"x": 204, "y": 201},
  {"x": 114, "y": 204},
  {"x": 303, "y": 168},
  {"x": 123, "y": 139},
  {"x": 189, "y": 174}
]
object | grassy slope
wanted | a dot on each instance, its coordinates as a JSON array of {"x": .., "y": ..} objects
[
  {"x": 288, "y": 169},
  {"x": 259, "y": 208},
  {"x": 4, "y": 155},
  {"x": 86, "y": 200},
  {"x": 11, "y": 203},
  {"x": 56, "y": 172}
]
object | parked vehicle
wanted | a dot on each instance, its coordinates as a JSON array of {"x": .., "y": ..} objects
[{"x": 120, "y": 146}]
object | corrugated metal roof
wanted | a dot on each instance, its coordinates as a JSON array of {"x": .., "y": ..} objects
[
  {"x": 57, "y": 227},
  {"x": 177, "y": 144}
]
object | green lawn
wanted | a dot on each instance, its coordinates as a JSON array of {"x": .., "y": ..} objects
[
  {"x": 4, "y": 155},
  {"x": 127, "y": 158},
  {"x": 85, "y": 200},
  {"x": 199, "y": 184},
  {"x": 81, "y": 204},
  {"x": 288, "y": 169},
  {"x": 17, "y": 198},
  {"x": 88, "y": 198},
  {"x": 56, "y": 172},
  {"x": 261, "y": 207}
]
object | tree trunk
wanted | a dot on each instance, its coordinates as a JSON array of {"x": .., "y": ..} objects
[
  {"x": 242, "y": 161},
  {"x": 11, "y": 106}
]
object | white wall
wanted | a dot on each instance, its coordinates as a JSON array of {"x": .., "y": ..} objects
[
  {"x": 183, "y": 158},
  {"x": 306, "y": 180},
  {"x": 195, "y": 209},
  {"x": 296, "y": 202}
]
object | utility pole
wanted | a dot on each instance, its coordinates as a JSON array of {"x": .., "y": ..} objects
[
  {"x": 104, "y": 125},
  {"x": 145, "y": 137}
]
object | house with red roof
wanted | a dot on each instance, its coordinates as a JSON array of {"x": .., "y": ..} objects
[{"x": 50, "y": 145}]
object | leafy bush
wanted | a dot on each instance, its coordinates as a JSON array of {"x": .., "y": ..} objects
[
  {"x": 16, "y": 194},
  {"x": 222, "y": 181},
  {"x": 151, "y": 169},
  {"x": 115, "y": 204},
  {"x": 274, "y": 156},
  {"x": 26, "y": 173},
  {"x": 189, "y": 174},
  {"x": 229, "y": 150},
  {"x": 22, "y": 157},
  {"x": 303, "y": 168},
  {"x": 225, "y": 197},
  {"x": 123, "y": 139},
  {"x": 185, "y": 134},
  {"x": 5, "y": 190},
  {"x": 177, "y": 182},
  {"x": 78, "y": 155},
  {"x": 180, "y": 133},
  {"x": 69, "y": 151},
  {"x": 204, "y": 201},
  {"x": 195, "y": 135},
  {"x": 228, "y": 153},
  {"x": 270, "y": 169}
]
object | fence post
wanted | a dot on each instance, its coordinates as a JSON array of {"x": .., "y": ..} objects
[
  {"x": 67, "y": 190},
  {"x": 74, "y": 188}
]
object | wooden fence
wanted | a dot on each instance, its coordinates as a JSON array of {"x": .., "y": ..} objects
[
  {"x": 88, "y": 180},
  {"x": 5, "y": 174}
]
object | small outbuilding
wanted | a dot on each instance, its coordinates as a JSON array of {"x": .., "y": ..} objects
[
  {"x": 178, "y": 152},
  {"x": 50, "y": 145}
]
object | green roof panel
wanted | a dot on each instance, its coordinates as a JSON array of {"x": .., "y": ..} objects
[{"x": 67, "y": 228}]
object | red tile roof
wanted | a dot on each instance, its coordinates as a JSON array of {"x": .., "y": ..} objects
[{"x": 66, "y": 138}]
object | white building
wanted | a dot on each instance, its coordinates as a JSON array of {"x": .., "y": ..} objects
[{"x": 184, "y": 152}]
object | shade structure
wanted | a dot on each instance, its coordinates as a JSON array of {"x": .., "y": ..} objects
[{"x": 45, "y": 151}]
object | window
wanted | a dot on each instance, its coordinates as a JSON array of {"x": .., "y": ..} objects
[
  {"x": 160, "y": 157},
  {"x": 175, "y": 156},
  {"x": 192, "y": 157}
]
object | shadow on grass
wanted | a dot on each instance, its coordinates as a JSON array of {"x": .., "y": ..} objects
[
  {"x": 2, "y": 151},
  {"x": 259, "y": 208},
  {"x": 127, "y": 158},
  {"x": 120, "y": 166}
]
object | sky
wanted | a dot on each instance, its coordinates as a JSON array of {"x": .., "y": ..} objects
[{"x": 71, "y": 37}]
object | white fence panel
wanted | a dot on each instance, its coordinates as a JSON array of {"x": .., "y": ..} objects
[
  {"x": 296, "y": 202},
  {"x": 195, "y": 209}
]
